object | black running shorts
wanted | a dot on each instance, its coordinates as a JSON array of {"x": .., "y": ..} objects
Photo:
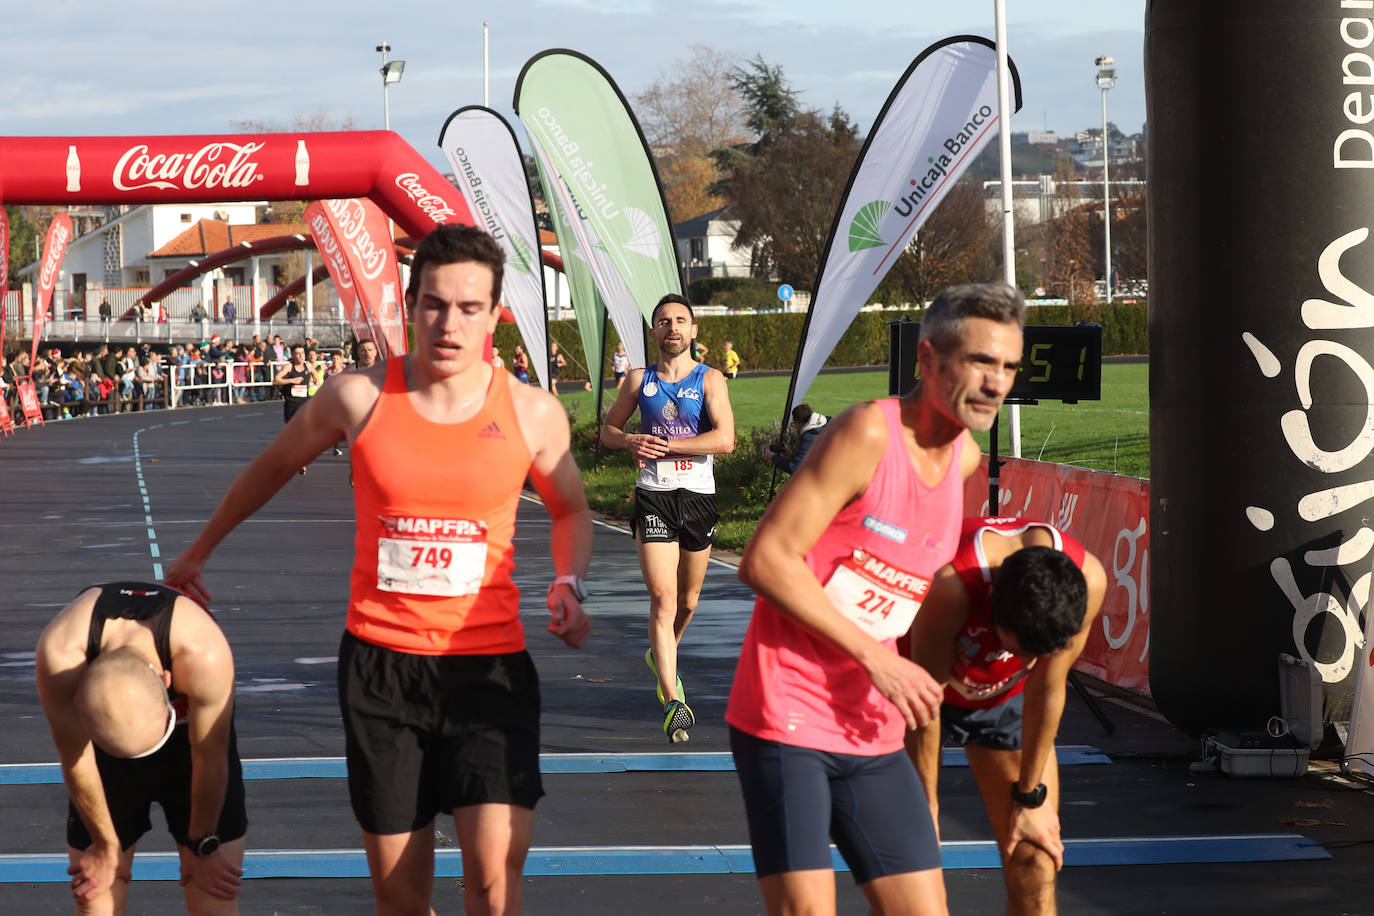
[
  {"x": 684, "y": 516},
  {"x": 997, "y": 727},
  {"x": 797, "y": 800},
  {"x": 425, "y": 734},
  {"x": 131, "y": 787}
]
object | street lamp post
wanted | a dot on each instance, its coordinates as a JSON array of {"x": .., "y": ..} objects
[
  {"x": 1106, "y": 79},
  {"x": 391, "y": 73}
]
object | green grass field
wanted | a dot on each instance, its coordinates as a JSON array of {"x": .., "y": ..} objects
[{"x": 1110, "y": 435}]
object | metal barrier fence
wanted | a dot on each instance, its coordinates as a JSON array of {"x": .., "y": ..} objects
[
  {"x": 205, "y": 384},
  {"x": 93, "y": 330},
  {"x": 178, "y": 304},
  {"x": 221, "y": 383}
]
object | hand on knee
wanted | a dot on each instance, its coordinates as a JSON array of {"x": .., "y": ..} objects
[{"x": 1030, "y": 868}]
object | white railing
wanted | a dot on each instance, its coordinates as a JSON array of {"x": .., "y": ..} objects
[
  {"x": 328, "y": 333},
  {"x": 220, "y": 383}
]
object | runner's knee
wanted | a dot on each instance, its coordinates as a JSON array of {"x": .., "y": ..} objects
[{"x": 1029, "y": 865}]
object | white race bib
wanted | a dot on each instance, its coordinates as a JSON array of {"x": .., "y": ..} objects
[
  {"x": 687, "y": 471},
  {"x": 881, "y": 598},
  {"x": 431, "y": 556},
  {"x": 300, "y": 391}
]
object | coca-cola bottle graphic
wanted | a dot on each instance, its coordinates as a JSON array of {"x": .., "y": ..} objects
[
  {"x": 73, "y": 170},
  {"x": 302, "y": 165}
]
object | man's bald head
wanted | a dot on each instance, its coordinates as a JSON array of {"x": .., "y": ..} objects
[{"x": 123, "y": 703}]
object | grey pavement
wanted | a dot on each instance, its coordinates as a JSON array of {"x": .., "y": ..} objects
[{"x": 71, "y": 513}]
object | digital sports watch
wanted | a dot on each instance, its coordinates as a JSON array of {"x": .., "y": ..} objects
[
  {"x": 204, "y": 847},
  {"x": 1032, "y": 799}
]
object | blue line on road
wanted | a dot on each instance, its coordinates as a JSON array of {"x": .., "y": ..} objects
[
  {"x": 333, "y": 767},
  {"x": 589, "y": 861}
]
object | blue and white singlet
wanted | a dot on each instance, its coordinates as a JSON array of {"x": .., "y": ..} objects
[{"x": 676, "y": 410}]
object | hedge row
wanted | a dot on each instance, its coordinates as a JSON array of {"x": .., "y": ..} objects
[{"x": 769, "y": 341}]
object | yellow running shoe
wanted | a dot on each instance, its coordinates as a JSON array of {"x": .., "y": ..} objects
[{"x": 649, "y": 660}]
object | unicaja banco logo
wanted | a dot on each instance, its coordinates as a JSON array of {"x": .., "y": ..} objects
[
  {"x": 863, "y": 229},
  {"x": 520, "y": 253}
]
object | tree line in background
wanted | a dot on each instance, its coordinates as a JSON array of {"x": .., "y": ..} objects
[
  {"x": 731, "y": 134},
  {"x": 727, "y": 134}
]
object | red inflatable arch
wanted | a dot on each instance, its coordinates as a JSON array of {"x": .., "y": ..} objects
[{"x": 207, "y": 168}]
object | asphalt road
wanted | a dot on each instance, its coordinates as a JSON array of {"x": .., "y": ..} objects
[{"x": 73, "y": 514}]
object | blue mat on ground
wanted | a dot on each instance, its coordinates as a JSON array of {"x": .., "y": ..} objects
[
  {"x": 588, "y": 861},
  {"x": 12, "y": 774}
]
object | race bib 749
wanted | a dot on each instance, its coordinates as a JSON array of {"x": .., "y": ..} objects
[{"x": 431, "y": 556}]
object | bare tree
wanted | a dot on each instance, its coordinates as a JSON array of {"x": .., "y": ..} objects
[
  {"x": 693, "y": 108},
  {"x": 952, "y": 247},
  {"x": 686, "y": 113}
]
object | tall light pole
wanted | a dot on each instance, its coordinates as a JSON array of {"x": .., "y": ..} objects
[
  {"x": 1106, "y": 79},
  {"x": 391, "y": 73}
]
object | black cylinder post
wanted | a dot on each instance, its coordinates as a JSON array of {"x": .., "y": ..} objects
[{"x": 1261, "y": 199}]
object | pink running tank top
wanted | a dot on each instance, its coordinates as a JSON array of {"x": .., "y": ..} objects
[{"x": 876, "y": 560}]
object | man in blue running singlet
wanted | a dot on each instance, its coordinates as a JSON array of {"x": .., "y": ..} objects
[{"x": 685, "y": 418}]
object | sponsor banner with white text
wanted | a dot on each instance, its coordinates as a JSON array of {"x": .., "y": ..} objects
[
  {"x": 587, "y": 276},
  {"x": 54, "y": 247},
  {"x": 940, "y": 115},
  {"x": 247, "y": 167},
  {"x": 359, "y": 236},
  {"x": 4, "y": 271},
  {"x": 331, "y": 250},
  {"x": 490, "y": 173},
  {"x": 28, "y": 399},
  {"x": 576, "y": 115},
  {"x": 1110, "y": 516}
]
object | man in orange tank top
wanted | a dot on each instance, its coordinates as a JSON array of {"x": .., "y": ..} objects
[
  {"x": 821, "y": 698},
  {"x": 441, "y": 443}
]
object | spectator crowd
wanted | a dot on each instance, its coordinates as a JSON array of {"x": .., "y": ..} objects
[{"x": 99, "y": 379}]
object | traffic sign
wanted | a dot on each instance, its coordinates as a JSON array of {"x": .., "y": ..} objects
[{"x": 785, "y": 292}]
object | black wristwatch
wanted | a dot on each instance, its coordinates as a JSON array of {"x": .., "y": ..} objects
[
  {"x": 1032, "y": 799},
  {"x": 204, "y": 847}
]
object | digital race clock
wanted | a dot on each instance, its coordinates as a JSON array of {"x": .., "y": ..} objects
[{"x": 1058, "y": 363}]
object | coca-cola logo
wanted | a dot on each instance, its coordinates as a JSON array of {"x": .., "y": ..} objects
[
  {"x": 215, "y": 165},
  {"x": 57, "y": 244},
  {"x": 329, "y": 248},
  {"x": 351, "y": 218},
  {"x": 435, "y": 207}
]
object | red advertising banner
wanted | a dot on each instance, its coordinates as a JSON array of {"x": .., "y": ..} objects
[
  {"x": 331, "y": 250},
  {"x": 6, "y": 425},
  {"x": 28, "y": 399},
  {"x": 373, "y": 164},
  {"x": 358, "y": 232},
  {"x": 1110, "y": 516},
  {"x": 54, "y": 247},
  {"x": 4, "y": 277}
]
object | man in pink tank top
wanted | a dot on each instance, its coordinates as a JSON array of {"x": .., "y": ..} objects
[
  {"x": 841, "y": 562},
  {"x": 432, "y": 599}
]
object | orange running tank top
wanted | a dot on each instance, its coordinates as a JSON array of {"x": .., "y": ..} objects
[{"x": 435, "y": 506}]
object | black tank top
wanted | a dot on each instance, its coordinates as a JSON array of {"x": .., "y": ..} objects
[{"x": 136, "y": 601}]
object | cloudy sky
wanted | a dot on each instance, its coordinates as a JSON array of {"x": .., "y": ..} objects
[{"x": 79, "y": 68}]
